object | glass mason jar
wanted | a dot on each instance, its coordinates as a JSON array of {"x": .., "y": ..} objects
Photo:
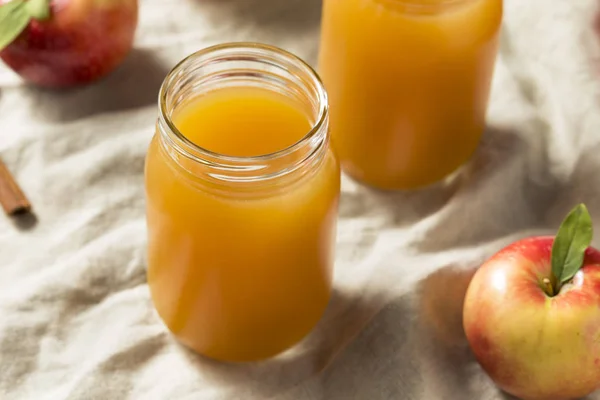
[
  {"x": 241, "y": 249},
  {"x": 408, "y": 84}
]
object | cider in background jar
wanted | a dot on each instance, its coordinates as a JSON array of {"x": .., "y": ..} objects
[{"x": 408, "y": 84}]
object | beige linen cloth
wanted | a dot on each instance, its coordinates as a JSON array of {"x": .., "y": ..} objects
[{"x": 76, "y": 321}]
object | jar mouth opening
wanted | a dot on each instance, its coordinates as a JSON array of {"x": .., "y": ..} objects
[{"x": 316, "y": 127}]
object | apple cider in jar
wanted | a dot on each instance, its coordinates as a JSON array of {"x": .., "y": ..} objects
[
  {"x": 408, "y": 84},
  {"x": 242, "y": 198}
]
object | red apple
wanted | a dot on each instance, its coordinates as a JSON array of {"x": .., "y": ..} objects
[
  {"x": 534, "y": 327},
  {"x": 79, "y": 42}
]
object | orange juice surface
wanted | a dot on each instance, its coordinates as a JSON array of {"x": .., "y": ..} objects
[
  {"x": 408, "y": 84},
  {"x": 243, "y": 122},
  {"x": 238, "y": 277}
]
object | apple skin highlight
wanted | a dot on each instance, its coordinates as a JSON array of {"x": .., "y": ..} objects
[
  {"x": 81, "y": 42},
  {"x": 532, "y": 345}
]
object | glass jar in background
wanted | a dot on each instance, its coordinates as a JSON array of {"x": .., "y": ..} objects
[
  {"x": 408, "y": 84},
  {"x": 241, "y": 248}
]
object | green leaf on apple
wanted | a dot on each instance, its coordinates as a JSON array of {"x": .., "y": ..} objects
[
  {"x": 568, "y": 250},
  {"x": 14, "y": 17},
  {"x": 39, "y": 9}
]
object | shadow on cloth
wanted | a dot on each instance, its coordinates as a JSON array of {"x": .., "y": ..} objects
[
  {"x": 414, "y": 344},
  {"x": 134, "y": 84},
  {"x": 470, "y": 208},
  {"x": 290, "y": 16},
  {"x": 400, "y": 208},
  {"x": 25, "y": 221},
  {"x": 447, "y": 366}
]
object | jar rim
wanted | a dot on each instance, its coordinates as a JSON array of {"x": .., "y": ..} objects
[{"x": 274, "y": 50}]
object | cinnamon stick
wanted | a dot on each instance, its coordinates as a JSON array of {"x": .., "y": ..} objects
[{"x": 12, "y": 198}]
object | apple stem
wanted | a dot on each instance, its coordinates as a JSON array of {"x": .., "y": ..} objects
[{"x": 549, "y": 288}]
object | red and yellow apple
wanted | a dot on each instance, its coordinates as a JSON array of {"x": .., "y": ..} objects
[
  {"x": 79, "y": 42},
  {"x": 537, "y": 335}
]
